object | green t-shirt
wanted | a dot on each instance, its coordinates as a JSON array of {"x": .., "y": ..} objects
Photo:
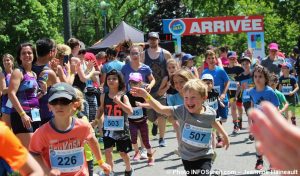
[{"x": 281, "y": 98}]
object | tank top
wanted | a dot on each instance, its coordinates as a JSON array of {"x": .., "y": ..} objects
[
  {"x": 45, "y": 113},
  {"x": 27, "y": 92},
  {"x": 114, "y": 111},
  {"x": 171, "y": 90},
  {"x": 7, "y": 80},
  {"x": 158, "y": 67}
]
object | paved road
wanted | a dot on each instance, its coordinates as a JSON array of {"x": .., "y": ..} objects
[{"x": 239, "y": 159}]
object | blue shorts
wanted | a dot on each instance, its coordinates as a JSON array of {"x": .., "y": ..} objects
[
  {"x": 5, "y": 110},
  {"x": 223, "y": 112}
]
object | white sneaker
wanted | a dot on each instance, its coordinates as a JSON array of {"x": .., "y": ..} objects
[{"x": 143, "y": 153}]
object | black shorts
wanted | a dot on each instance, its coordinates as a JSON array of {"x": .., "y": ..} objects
[
  {"x": 17, "y": 124},
  {"x": 123, "y": 145}
]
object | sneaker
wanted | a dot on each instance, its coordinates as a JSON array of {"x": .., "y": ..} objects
[
  {"x": 162, "y": 142},
  {"x": 136, "y": 156},
  {"x": 259, "y": 164},
  {"x": 241, "y": 124},
  {"x": 128, "y": 173},
  {"x": 235, "y": 130},
  {"x": 154, "y": 129},
  {"x": 150, "y": 159},
  {"x": 143, "y": 153},
  {"x": 251, "y": 137},
  {"x": 293, "y": 121},
  {"x": 176, "y": 152},
  {"x": 220, "y": 144}
]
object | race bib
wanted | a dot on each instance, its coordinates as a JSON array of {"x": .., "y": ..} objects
[
  {"x": 213, "y": 104},
  {"x": 218, "y": 88},
  {"x": 286, "y": 90},
  {"x": 8, "y": 104},
  {"x": 137, "y": 113},
  {"x": 71, "y": 160},
  {"x": 246, "y": 95},
  {"x": 233, "y": 85},
  {"x": 114, "y": 123},
  {"x": 35, "y": 115},
  {"x": 196, "y": 136}
]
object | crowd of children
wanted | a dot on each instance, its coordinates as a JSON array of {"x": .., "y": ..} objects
[{"x": 58, "y": 123}]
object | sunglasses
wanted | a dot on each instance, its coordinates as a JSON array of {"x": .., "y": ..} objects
[{"x": 60, "y": 101}]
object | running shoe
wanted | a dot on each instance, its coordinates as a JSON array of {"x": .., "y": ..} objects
[
  {"x": 162, "y": 142},
  {"x": 259, "y": 164},
  {"x": 251, "y": 137},
  {"x": 128, "y": 173},
  {"x": 143, "y": 153},
  {"x": 136, "y": 156}
]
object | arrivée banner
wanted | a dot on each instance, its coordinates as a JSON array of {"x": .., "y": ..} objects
[{"x": 213, "y": 25}]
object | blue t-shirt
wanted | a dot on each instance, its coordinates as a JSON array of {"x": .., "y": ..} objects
[
  {"x": 144, "y": 70},
  {"x": 115, "y": 64},
  {"x": 220, "y": 78},
  {"x": 173, "y": 100},
  {"x": 267, "y": 94}
]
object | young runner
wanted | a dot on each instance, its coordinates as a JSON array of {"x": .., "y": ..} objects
[
  {"x": 261, "y": 92},
  {"x": 115, "y": 107},
  {"x": 59, "y": 144},
  {"x": 196, "y": 122},
  {"x": 289, "y": 87},
  {"x": 138, "y": 121}
]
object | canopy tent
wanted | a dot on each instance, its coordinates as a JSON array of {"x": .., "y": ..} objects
[{"x": 122, "y": 32}]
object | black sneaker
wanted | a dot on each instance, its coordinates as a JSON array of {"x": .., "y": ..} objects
[
  {"x": 154, "y": 130},
  {"x": 128, "y": 173},
  {"x": 251, "y": 137},
  {"x": 240, "y": 123},
  {"x": 259, "y": 164}
]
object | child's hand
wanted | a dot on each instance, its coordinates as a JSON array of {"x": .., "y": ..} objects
[
  {"x": 138, "y": 92},
  {"x": 137, "y": 103},
  {"x": 148, "y": 88},
  {"x": 106, "y": 168},
  {"x": 291, "y": 94},
  {"x": 226, "y": 142},
  {"x": 117, "y": 98}
]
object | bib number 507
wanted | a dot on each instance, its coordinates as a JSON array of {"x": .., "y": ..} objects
[{"x": 197, "y": 136}]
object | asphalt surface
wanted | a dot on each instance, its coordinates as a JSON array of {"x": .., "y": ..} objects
[{"x": 239, "y": 159}]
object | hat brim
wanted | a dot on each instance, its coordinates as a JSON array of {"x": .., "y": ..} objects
[
  {"x": 242, "y": 60},
  {"x": 60, "y": 95},
  {"x": 273, "y": 48}
]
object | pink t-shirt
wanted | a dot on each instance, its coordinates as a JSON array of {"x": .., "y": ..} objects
[{"x": 63, "y": 150}]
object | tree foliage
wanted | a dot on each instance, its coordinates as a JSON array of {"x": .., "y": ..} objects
[{"x": 33, "y": 19}]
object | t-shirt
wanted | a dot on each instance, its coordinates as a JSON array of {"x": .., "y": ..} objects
[
  {"x": 115, "y": 64},
  {"x": 220, "y": 78},
  {"x": 196, "y": 132},
  {"x": 12, "y": 151},
  {"x": 272, "y": 66},
  {"x": 267, "y": 94},
  {"x": 232, "y": 73},
  {"x": 62, "y": 150},
  {"x": 115, "y": 124},
  {"x": 139, "y": 113},
  {"x": 144, "y": 70},
  {"x": 288, "y": 84},
  {"x": 213, "y": 99},
  {"x": 281, "y": 98},
  {"x": 246, "y": 83},
  {"x": 173, "y": 100}
]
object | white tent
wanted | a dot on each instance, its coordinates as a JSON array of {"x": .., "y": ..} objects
[{"x": 122, "y": 32}]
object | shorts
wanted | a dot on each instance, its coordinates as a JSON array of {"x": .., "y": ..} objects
[
  {"x": 223, "y": 112},
  {"x": 152, "y": 115},
  {"x": 123, "y": 145},
  {"x": 199, "y": 167},
  {"x": 17, "y": 125},
  {"x": 247, "y": 106},
  {"x": 5, "y": 110},
  {"x": 292, "y": 103}
]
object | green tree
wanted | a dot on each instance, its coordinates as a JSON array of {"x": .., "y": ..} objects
[{"x": 28, "y": 21}]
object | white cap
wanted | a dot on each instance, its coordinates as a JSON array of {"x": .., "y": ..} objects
[{"x": 207, "y": 77}]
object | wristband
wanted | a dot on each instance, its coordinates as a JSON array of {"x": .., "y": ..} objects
[
  {"x": 148, "y": 98},
  {"x": 22, "y": 113},
  {"x": 100, "y": 162}
]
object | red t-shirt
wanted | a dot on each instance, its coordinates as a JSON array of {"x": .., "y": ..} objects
[{"x": 63, "y": 150}]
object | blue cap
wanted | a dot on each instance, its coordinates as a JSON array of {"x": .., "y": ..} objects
[{"x": 187, "y": 57}]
